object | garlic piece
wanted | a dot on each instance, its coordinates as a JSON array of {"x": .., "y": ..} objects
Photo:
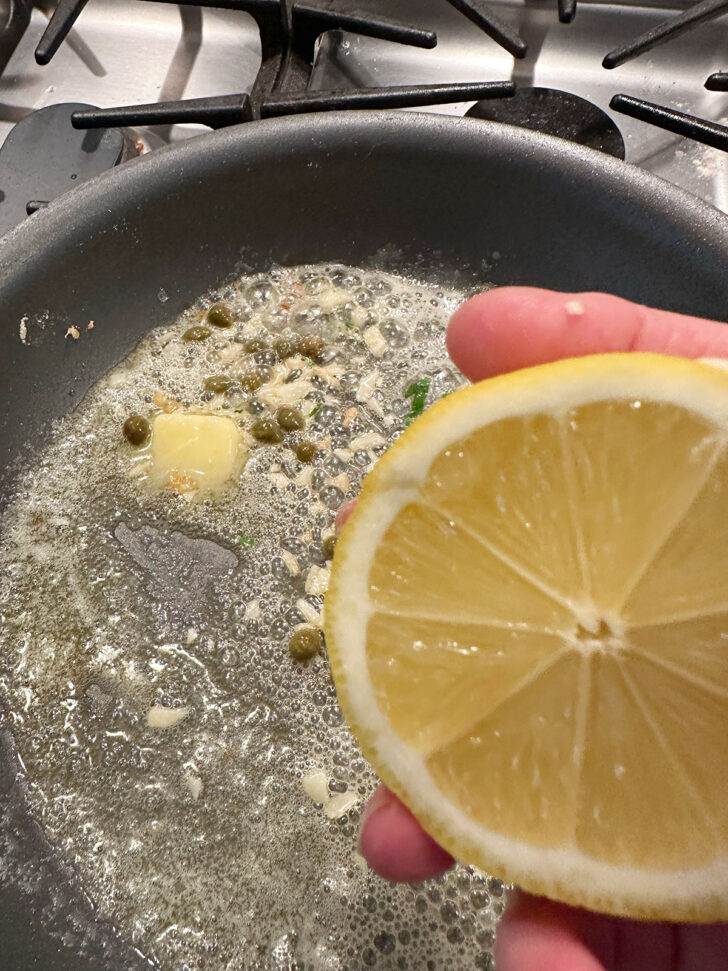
[
  {"x": 309, "y": 613},
  {"x": 194, "y": 783},
  {"x": 367, "y": 387},
  {"x": 366, "y": 441},
  {"x": 341, "y": 481},
  {"x": 160, "y": 717},
  {"x": 316, "y": 786},
  {"x": 375, "y": 341},
  {"x": 275, "y": 395},
  {"x": 291, "y": 562},
  {"x": 317, "y": 580},
  {"x": 252, "y": 610},
  {"x": 340, "y": 804}
]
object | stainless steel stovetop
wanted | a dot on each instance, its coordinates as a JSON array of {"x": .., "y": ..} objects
[{"x": 125, "y": 52}]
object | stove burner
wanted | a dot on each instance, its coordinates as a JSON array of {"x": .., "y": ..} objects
[
  {"x": 557, "y": 113},
  {"x": 62, "y": 158}
]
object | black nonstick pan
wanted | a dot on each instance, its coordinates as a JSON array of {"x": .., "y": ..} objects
[{"x": 463, "y": 200}]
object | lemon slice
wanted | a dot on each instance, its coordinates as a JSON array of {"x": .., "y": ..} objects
[{"x": 527, "y": 622}]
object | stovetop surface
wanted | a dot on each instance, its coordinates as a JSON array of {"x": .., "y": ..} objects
[{"x": 126, "y": 52}]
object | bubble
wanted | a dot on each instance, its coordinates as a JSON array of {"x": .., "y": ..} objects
[
  {"x": 332, "y": 496},
  {"x": 279, "y": 568},
  {"x": 449, "y": 912},
  {"x": 386, "y": 943},
  {"x": 333, "y": 465},
  {"x": 394, "y": 333},
  {"x": 327, "y": 414},
  {"x": 496, "y": 886},
  {"x": 349, "y": 380},
  {"x": 261, "y": 293},
  {"x": 479, "y": 899}
]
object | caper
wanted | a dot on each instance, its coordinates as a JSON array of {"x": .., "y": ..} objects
[
  {"x": 253, "y": 379},
  {"x": 284, "y": 347},
  {"x": 219, "y": 316},
  {"x": 305, "y": 643},
  {"x": 267, "y": 430},
  {"x": 306, "y": 451},
  {"x": 310, "y": 345},
  {"x": 328, "y": 547},
  {"x": 218, "y": 383},
  {"x": 254, "y": 345},
  {"x": 196, "y": 333},
  {"x": 290, "y": 419},
  {"x": 137, "y": 430}
]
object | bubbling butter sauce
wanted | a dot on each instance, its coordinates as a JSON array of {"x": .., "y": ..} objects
[{"x": 199, "y": 778}]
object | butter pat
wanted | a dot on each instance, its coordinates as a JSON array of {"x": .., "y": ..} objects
[{"x": 195, "y": 452}]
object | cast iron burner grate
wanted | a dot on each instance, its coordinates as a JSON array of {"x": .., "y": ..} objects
[{"x": 290, "y": 32}]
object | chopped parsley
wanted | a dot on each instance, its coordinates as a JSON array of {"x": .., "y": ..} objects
[
  {"x": 316, "y": 409},
  {"x": 417, "y": 391},
  {"x": 246, "y": 540}
]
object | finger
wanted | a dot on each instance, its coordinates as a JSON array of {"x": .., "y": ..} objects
[
  {"x": 703, "y": 947},
  {"x": 516, "y": 327},
  {"x": 394, "y": 844},
  {"x": 342, "y": 514},
  {"x": 539, "y": 935}
]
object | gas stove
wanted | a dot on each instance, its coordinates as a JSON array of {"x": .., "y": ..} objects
[{"x": 86, "y": 86}]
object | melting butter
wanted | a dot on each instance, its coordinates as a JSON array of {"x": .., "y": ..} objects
[{"x": 193, "y": 453}]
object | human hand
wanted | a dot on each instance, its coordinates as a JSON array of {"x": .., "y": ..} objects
[{"x": 499, "y": 331}]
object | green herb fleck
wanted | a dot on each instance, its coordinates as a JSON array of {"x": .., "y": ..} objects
[
  {"x": 316, "y": 409},
  {"x": 246, "y": 540},
  {"x": 417, "y": 391}
]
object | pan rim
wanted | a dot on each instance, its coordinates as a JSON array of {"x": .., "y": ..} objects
[{"x": 318, "y": 135}]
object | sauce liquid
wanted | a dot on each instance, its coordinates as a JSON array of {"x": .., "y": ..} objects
[{"x": 199, "y": 842}]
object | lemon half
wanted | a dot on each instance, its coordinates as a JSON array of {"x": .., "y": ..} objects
[{"x": 527, "y": 623}]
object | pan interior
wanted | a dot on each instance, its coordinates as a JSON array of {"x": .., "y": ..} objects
[{"x": 230, "y": 838}]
